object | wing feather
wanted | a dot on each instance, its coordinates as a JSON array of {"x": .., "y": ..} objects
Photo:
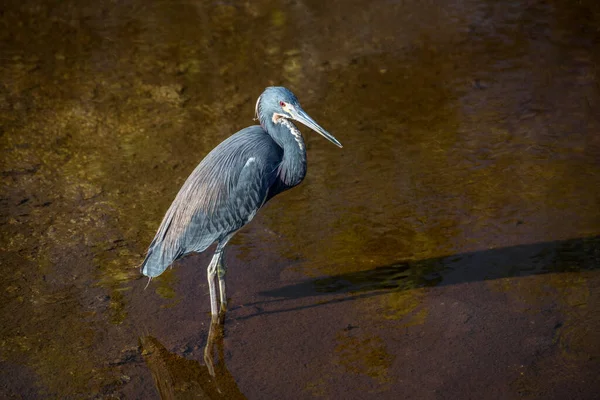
[{"x": 220, "y": 196}]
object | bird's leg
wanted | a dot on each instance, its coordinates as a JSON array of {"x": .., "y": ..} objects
[
  {"x": 221, "y": 271},
  {"x": 210, "y": 274}
]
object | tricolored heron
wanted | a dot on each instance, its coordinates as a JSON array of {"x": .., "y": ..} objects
[{"x": 231, "y": 184}]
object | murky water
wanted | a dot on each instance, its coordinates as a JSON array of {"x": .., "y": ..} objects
[{"x": 451, "y": 249}]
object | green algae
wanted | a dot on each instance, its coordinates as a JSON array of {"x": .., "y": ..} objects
[
  {"x": 363, "y": 355},
  {"x": 575, "y": 300}
]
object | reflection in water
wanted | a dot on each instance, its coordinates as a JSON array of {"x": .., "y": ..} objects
[
  {"x": 215, "y": 339},
  {"x": 179, "y": 378}
]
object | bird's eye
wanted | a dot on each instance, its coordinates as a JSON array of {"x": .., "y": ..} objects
[{"x": 281, "y": 104}]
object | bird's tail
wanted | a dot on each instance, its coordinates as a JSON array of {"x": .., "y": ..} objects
[{"x": 156, "y": 262}]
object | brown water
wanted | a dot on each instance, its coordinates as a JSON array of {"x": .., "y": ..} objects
[{"x": 451, "y": 249}]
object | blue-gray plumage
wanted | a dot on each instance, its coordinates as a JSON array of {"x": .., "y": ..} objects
[{"x": 231, "y": 184}]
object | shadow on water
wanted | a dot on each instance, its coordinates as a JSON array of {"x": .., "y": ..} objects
[
  {"x": 571, "y": 255},
  {"x": 177, "y": 377}
]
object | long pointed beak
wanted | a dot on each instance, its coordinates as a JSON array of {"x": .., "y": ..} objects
[{"x": 299, "y": 115}]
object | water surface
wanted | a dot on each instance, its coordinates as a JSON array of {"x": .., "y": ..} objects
[{"x": 450, "y": 248}]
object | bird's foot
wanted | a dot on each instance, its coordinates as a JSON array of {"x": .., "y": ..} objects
[{"x": 219, "y": 318}]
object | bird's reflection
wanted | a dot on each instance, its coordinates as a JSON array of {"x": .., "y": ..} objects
[
  {"x": 177, "y": 377},
  {"x": 214, "y": 343}
]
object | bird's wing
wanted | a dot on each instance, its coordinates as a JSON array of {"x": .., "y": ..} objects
[
  {"x": 221, "y": 195},
  {"x": 238, "y": 205}
]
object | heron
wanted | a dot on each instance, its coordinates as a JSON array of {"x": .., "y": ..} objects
[{"x": 230, "y": 185}]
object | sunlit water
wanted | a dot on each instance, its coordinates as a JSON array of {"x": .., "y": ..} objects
[{"x": 451, "y": 246}]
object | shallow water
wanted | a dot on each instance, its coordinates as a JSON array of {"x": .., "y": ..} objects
[{"x": 451, "y": 249}]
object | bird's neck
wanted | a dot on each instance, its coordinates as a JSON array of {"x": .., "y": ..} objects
[{"x": 293, "y": 166}]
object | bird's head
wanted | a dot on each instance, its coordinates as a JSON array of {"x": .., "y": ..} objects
[{"x": 277, "y": 102}]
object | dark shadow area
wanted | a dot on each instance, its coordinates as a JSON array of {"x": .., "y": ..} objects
[{"x": 571, "y": 255}]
